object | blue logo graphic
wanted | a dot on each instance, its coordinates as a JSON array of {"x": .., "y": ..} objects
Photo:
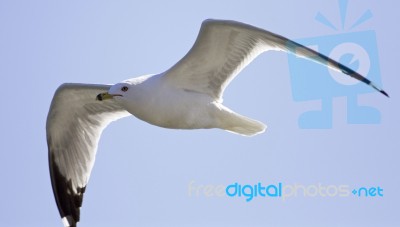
[
  {"x": 251, "y": 191},
  {"x": 310, "y": 81},
  {"x": 368, "y": 192},
  {"x": 279, "y": 190}
]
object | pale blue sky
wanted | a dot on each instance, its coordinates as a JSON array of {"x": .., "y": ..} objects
[{"x": 142, "y": 172}]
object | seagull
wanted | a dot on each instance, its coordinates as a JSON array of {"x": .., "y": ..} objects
[{"x": 186, "y": 96}]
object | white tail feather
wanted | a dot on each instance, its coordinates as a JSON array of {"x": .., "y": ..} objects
[{"x": 239, "y": 124}]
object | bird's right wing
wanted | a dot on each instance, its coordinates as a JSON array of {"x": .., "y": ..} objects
[
  {"x": 223, "y": 48},
  {"x": 74, "y": 125}
]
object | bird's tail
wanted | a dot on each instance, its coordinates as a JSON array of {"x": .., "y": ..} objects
[{"x": 236, "y": 123}]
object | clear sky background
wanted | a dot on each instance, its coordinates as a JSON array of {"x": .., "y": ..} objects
[{"x": 142, "y": 172}]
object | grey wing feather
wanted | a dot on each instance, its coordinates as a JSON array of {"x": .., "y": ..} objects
[
  {"x": 223, "y": 48},
  {"x": 74, "y": 125}
]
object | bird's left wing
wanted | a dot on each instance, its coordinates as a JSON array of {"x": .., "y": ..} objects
[
  {"x": 74, "y": 125},
  {"x": 223, "y": 48}
]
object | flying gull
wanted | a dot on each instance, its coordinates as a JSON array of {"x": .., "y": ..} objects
[{"x": 186, "y": 96}]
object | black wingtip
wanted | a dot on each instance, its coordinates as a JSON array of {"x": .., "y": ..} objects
[
  {"x": 377, "y": 88},
  {"x": 386, "y": 94},
  {"x": 346, "y": 70}
]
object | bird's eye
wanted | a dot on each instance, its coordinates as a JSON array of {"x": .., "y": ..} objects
[{"x": 124, "y": 88}]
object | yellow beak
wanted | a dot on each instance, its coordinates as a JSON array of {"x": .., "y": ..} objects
[{"x": 104, "y": 96}]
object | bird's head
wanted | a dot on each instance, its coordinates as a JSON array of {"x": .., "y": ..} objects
[{"x": 118, "y": 90}]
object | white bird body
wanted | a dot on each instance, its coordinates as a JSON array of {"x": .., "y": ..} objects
[
  {"x": 181, "y": 109},
  {"x": 187, "y": 96}
]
